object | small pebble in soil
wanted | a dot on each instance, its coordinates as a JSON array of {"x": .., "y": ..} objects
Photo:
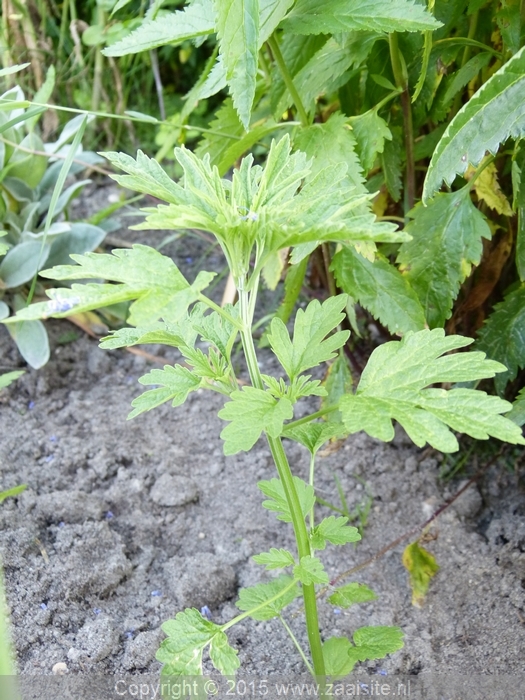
[
  {"x": 60, "y": 668},
  {"x": 201, "y": 535}
]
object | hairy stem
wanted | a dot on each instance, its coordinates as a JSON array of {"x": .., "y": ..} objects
[
  {"x": 285, "y": 474},
  {"x": 401, "y": 78},
  {"x": 288, "y": 80}
]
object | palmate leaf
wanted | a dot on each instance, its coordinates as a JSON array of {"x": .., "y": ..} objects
[
  {"x": 188, "y": 634},
  {"x": 238, "y": 32},
  {"x": 196, "y": 20},
  {"x": 446, "y": 241},
  {"x": 503, "y": 336},
  {"x": 274, "y": 490},
  {"x": 153, "y": 280},
  {"x": 393, "y": 385},
  {"x": 268, "y": 598},
  {"x": 174, "y": 384},
  {"x": 314, "y": 435},
  {"x": 252, "y": 411},
  {"x": 496, "y": 112},
  {"x": 370, "y": 131},
  {"x": 309, "y": 347},
  {"x": 380, "y": 288},
  {"x": 312, "y": 17},
  {"x": 334, "y": 530}
]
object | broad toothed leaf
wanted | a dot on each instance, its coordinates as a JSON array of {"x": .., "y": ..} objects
[
  {"x": 486, "y": 120},
  {"x": 380, "y": 288},
  {"x": 446, "y": 241},
  {"x": 269, "y": 598},
  {"x": 335, "y": 530},
  {"x": 312, "y": 17},
  {"x": 503, "y": 336},
  {"x": 174, "y": 384},
  {"x": 153, "y": 280},
  {"x": 375, "y": 643},
  {"x": 337, "y": 663},
  {"x": 392, "y": 387},
  {"x": 272, "y": 13},
  {"x": 370, "y": 131},
  {"x": 309, "y": 347},
  {"x": 274, "y": 490},
  {"x": 238, "y": 31},
  {"x": 310, "y": 570},
  {"x": 351, "y": 594},
  {"x": 517, "y": 415},
  {"x": 196, "y": 20},
  {"x": 252, "y": 411},
  {"x": 188, "y": 634},
  {"x": 275, "y": 559}
]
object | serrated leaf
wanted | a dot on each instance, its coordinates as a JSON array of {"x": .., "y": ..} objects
[
  {"x": 494, "y": 113},
  {"x": 335, "y": 530},
  {"x": 465, "y": 74},
  {"x": 127, "y": 337},
  {"x": 274, "y": 490},
  {"x": 174, "y": 384},
  {"x": 272, "y": 13},
  {"x": 380, "y": 288},
  {"x": 269, "y": 598},
  {"x": 392, "y": 387},
  {"x": 503, "y": 336},
  {"x": 238, "y": 32},
  {"x": 391, "y": 163},
  {"x": 196, "y": 20},
  {"x": 336, "y": 660},
  {"x": 517, "y": 415},
  {"x": 275, "y": 559},
  {"x": 146, "y": 175},
  {"x": 509, "y": 19},
  {"x": 338, "y": 381},
  {"x": 314, "y": 435},
  {"x": 252, "y": 411},
  {"x": 309, "y": 17},
  {"x": 153, "y": 280},
  {"x": 215, "y": 329},
  {"x": 188, "y": 635},
  {"x": 309, "y": 347},
  {"x": 330, "y": 144},
  {"x": 351, "y": 594},
  {"x": 375, "y": 643},
  {"x": 488, "y": 190},
  {"x": 422, "y": 567},
  {"x": 446, "y": 241},
  {"x": 227, "y": 139},
  {"x": 370, "y": 131},
  {"x": 310, "y": 570}
]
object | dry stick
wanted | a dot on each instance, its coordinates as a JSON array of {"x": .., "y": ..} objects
[{"x": 415, "y": 530}]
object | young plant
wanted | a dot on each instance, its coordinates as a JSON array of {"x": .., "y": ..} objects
[{"x": 290, "y": 202}]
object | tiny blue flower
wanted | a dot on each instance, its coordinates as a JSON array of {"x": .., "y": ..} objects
[
  {"x": 53, "y": 438},
  {"x": 156, "y": 594},
  {"x": 109, "y": 515},
  {"x": 130, "y": 633},
  {"x": 59, "y": 306},
  {"x": 206, "y": 612},
  {"x": 49, "y": 458},
  {"x": 97, "y": 611},
  {"x": 382, "y": 672},
  {"x": 337, "y": 611},
  {"x": 189, "y": 260},
  {"x": 43, "y": 606},
  {"x": 61, "y": 523},
  {"x": 31, "y": 405}
]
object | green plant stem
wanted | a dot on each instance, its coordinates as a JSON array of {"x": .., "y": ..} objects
[
  {"x": 285, "y": 474},
  {"x": 401, "y": 78},
  {"x": 297, "y": 645},
  {"x": 312, "y": 416},
  {"x": 481, "y": 168},
  {"x": 468, "y": 42},
  {"x": 222, "y": 312},
  {"x": 288, "y": 80}
]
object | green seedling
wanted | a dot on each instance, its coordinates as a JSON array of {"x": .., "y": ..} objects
[{"x": 255, "y": 215}]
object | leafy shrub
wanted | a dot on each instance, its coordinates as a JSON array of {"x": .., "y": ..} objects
[{"x": 35, "y": 232}]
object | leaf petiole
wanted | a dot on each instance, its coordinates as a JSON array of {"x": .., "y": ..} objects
[{"x": 261, "y": 606}]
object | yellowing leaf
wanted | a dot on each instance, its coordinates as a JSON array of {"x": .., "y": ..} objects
[
  {"x": 422, "y": 567},
  {"x": 488, "y": 189}
]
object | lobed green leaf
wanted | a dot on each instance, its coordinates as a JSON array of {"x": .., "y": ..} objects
[
  {"x": 275, "y": 559},
  {"x": 335, "y": 530},
  {"x": 266, "y": 600},
  {"x": 174, "y": 384},
  {"x": 278, "y": 503},
  {"x": 393, "y": 385},
  {"x": 310, "y": 570},
  {"x": 351, "y": 594}
]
